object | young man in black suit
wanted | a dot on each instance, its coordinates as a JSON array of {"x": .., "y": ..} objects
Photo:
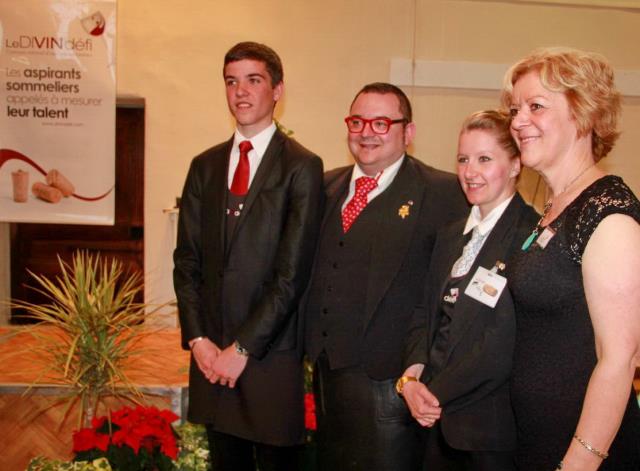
[
  {"x": 249, "y": 216},
  {"x": 376, "y": 240}
]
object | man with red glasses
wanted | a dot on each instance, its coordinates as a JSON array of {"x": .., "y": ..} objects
[{"x": 377, "y": 234}]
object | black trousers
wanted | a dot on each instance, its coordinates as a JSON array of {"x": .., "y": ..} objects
[
  {"x": 362, "y": 423},
  {"x": 439, "y": 456},
  {"x": 229, "y": 453}
]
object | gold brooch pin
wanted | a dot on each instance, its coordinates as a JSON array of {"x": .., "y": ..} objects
[
  {"x": 499, "y": 266},
  {"x": 403, "y": 212}
]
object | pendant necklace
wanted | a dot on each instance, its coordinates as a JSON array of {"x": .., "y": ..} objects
[
  {"x": 547, "y": 207},
  {"x": 536, "y": 230}
]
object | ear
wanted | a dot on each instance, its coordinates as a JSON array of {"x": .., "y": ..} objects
[
  {"x": 409, "y": 134},
  {"x": 278, "y": 90},
  {"x": 516, "y": 167}
]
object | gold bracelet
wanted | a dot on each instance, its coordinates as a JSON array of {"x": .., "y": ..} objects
[
  {"x": 600, "y": 454},
  {"x": 402, "y": 381}
]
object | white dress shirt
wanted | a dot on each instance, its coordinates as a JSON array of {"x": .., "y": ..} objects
[
  {"x": 384, "y": 177},
  {"x": 485, "y": 225},
  {"x": 259, "y": 142}
]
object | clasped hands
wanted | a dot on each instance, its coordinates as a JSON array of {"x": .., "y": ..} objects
[
  {"x": 423, "y": 405},
  {"x": 219, "y": 366}
]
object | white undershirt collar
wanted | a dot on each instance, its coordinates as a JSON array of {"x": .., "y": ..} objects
[
  {"x": 485, "y": 225},
  {"x": 384, "y": 177},
  {"x": 260, "y": 142}
]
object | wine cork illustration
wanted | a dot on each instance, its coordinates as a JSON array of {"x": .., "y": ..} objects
[
  {"x": 490, "y": 290},
  {"x": 46, "y": 192},
  {"x": 20, "y": 181},
  {"x": 59, "y": 181}
]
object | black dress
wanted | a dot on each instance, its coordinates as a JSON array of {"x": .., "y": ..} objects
[{"x": 555, "y": 347}]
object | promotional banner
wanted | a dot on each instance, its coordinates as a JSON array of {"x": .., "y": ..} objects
[{"x": 57, "y": 111}]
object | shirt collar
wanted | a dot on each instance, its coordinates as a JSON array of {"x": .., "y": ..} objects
[
  {"x": 383, "y": 177},
  {"x": 259, "y": 142},
  {"x": 485, "y": 225}
]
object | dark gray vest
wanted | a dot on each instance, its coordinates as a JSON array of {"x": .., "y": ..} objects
[{"x": 338, "y": 293}]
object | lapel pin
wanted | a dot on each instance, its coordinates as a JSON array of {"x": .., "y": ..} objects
[
  {"x": 499, "y": 266},
  {"x": 403, "y": 212}
]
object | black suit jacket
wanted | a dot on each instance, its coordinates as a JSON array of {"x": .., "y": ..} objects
[
  {"x": 473, "y": 387},
  {"x": 400, "y": 254},
  {"x": 249, "y": 291}
]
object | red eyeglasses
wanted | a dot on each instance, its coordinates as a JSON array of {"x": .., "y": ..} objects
[{"x": 356, "y": 124}]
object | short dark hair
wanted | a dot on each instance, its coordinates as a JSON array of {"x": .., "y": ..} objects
[
  {"x": 383, "y": 88},
  {"x": 257, "y": 52}
]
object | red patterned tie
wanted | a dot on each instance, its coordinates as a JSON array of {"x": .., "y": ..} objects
[
  {"x": 354, "y": 207},
  {"x": 240, "y": 183}
]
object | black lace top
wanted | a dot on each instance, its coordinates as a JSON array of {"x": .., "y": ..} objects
[
  {"x": 555, "y": 345},
  {"x": 606, "y": 196}
]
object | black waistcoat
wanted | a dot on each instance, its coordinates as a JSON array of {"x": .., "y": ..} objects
[
  {"x": 337, "y": 298},
  {"x": 233, "y": 212}
]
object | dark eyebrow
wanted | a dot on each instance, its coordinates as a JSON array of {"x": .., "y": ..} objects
[
  {"x": 375, "y": 117},
  {"x": 229, "y": 76}
]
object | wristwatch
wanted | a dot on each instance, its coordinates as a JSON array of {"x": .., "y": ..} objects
[
  {"x": 240, "y": 349},
  {"x": 402, "y": 381}
]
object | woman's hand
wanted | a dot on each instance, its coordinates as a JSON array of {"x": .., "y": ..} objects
[{"x": 423, "y": 405}]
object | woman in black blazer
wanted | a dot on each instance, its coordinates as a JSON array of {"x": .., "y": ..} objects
[{"x": 459, "y": 356}]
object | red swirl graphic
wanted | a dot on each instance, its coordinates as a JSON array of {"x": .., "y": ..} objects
[
  {"x": 98, "y": 30},
  {"x": 8, "y": 154}
]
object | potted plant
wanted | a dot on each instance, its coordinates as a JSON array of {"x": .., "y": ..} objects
[
  {"x": 105, "y": 448},
  {"x": 89, "y": 327}
]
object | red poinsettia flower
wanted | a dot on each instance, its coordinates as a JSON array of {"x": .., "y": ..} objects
[
  {"x": 169, "y": 448},
  {"x": 127, "y": 437},
  {"x": 143, "y": 427},
  {"x": 98, "y": 422},
  {"x": 148, "y": 443},
  {"x": 86, "y": 439},
  {"x": 168, "y": 416},
  {"x": 309, "y": 412}
]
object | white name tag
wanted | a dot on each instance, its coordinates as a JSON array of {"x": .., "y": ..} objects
[
  {"x": 486, "y": 286},
  {"x": 544, "y": 238}
]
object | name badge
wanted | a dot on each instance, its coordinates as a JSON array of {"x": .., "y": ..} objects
[
  {"x": 486, "y": 286},
  {"x": 545, "y": 237}
]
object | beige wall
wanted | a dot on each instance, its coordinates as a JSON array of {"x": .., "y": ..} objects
[
  {"x": 170, "y": 53},
  {"x": 502, "y": 32}
]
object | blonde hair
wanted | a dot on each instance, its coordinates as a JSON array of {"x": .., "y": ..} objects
[
  {"x": 496, "y": 121},
  {"x": 587, "y": 81}
]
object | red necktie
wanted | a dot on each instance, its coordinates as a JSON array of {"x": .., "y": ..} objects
[
  {"x": 240, "y": 183},
  {"x": 354, "y": 207}
]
